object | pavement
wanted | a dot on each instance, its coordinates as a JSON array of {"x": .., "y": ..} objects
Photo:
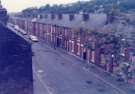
[{"x": 57, "y": 72}]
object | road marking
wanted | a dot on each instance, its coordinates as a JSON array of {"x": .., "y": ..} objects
[
  {"x": 42, "y": 82},
  {"x": 40, "y": 71}
]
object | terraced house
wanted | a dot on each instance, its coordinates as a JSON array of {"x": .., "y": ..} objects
[{"x": 91, "y": 37}]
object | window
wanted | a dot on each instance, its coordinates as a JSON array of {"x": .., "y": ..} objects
[
  {"x": 40, "y": 16},
  {"x": 59, "y": 16},
  {"x": 85, "y": 17},
  {"x": 71, "y": 17},
  {"x": 46, "y": 16},
  {"x": 52, "y": 16}
]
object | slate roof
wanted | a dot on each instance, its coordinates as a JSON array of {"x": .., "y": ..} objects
[{"x": 95, "y": 20}]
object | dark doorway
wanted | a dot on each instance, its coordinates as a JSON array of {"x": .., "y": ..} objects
[
  {"x": 58, "y": 42},
  {"x": 84, "y": 55}
]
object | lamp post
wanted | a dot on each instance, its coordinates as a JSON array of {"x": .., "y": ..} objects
[{"x": 112, "y": 63}]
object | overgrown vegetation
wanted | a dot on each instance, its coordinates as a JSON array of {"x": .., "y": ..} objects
[{"x": 81, "y": 6}]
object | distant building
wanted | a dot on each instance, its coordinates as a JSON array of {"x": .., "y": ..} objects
[{"x": 3, "y": 14}]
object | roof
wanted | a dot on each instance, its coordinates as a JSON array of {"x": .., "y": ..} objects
[{"x": 95, "y": 20}]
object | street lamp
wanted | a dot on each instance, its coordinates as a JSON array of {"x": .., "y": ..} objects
[
  {"x": 112, "y": 61},
  {"x": 112, "y": 56}
]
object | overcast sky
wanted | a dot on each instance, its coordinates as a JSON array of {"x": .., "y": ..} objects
[{"x": 18, "y": 5}]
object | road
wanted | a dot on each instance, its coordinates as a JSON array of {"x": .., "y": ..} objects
[{"x": 59, "y": 74}]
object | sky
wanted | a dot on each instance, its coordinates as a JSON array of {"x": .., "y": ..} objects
[{"x": 18, "y": 5}]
